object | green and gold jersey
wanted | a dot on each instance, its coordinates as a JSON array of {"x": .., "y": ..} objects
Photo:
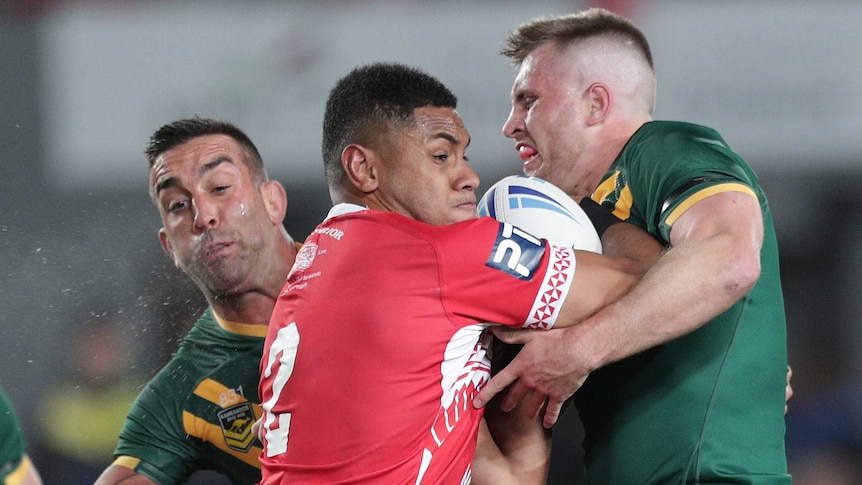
[
  {"x": 13, "y": 461},
  {"x": 197, "y": 412},
  {"x": 707, "y": 407}
]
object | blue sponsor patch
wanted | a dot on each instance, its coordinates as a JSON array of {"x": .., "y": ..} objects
[{"x": 516, "y": 252}]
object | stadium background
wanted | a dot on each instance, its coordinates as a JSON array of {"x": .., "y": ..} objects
[{"x": 91, "y": 303}]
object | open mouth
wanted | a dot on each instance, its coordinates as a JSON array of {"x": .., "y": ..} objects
[{"x": 531, "y": 158}]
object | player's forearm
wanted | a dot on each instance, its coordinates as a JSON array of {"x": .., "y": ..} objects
[
  {"x": 518, "y": 453},
  {"x": 636, "y": 247},
  {"x": 118, "y": 475}
]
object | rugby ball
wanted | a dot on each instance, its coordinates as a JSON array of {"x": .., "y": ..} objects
[{"x": 542, "y": 209}]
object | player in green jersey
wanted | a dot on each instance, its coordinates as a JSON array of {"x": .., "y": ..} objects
[
  {"x": 222, "y": 225},
  {"x": 687, "y": 373},
  {"x": 15, "y": 466}
]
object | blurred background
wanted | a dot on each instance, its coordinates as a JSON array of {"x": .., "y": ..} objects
[{"x": 92, "y": 307}]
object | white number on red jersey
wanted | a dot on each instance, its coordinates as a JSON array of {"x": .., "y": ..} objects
[{"x": 285, "y": 345}]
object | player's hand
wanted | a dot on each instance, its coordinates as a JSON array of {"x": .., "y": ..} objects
[{"x": 546, "y": 369}]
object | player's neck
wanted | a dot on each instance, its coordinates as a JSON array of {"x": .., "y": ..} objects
[{"x": 250, "y": 308}]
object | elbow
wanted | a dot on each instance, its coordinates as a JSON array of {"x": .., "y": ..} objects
[{"x": 743, "y": 275}]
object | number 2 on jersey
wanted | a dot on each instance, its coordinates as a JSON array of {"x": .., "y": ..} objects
[{"x": 283, "y": 350}]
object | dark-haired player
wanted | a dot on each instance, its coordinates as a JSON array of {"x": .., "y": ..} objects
[
  {"x": 376, "y": 349},
  {"x": 222, "y": 225}
]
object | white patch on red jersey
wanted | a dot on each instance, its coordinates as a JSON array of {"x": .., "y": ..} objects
[
  {"x": 466, "y": 368},
  {"x": 555, "y": 287},
  {"x": 465, "y": 372}
]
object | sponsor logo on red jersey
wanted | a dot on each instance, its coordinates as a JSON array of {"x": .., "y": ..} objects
[{"x": 516, "y": 252}]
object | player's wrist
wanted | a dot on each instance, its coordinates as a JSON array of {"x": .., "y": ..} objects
[{"x": 589, "y": 344}]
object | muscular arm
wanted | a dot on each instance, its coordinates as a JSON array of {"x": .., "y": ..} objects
[
  {"x": 513, "y": 448},
  {"x": 120, "y": 475},
  {"x": 713, "y": 261},
  {"x": 629, "y": 252}
]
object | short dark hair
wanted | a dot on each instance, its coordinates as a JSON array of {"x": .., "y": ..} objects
[
  {"x": 181, "y": 131},
  {"x": 369, "y": 102},
  {"x": 566, "y": 29}
]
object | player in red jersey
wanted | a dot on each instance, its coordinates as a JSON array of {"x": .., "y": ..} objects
[{"x": 376, "y": 347}]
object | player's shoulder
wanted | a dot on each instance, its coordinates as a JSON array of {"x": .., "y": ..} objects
[
  {"x": 680, "y": 137},
  {"x": 670, "y": 126},
  {"x": 193, "y": 361},
  {"x": 395, "y": 225},
  {"x": 361, "y": 223},
  {"x": 172, "y": 383}
]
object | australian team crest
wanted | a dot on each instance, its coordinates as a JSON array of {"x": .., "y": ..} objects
[{"x": 236, "y": 422}]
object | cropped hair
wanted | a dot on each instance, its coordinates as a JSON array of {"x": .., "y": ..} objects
[
  {"x": 567, "y": 29},
  {"x": 370, "y": 103},
  {"x": 178, "y": 132}
]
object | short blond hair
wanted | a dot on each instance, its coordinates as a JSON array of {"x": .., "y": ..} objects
[{"x": 565, "y": 30}]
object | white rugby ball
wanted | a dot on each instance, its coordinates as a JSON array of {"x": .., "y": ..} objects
[{"x": 542, "y": 209}]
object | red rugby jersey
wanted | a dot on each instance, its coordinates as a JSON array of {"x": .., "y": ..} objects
[{"x": 376, "y": 348}]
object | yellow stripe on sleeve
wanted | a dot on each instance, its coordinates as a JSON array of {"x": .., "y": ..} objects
[
  {"x": 700, "y": 195},
  {"x": 129, "y": 462}
]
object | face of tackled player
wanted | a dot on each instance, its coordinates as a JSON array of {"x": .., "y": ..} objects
[
  {"x": 427, "y": 175},
  {"x": 219, "y": 228},
  {"x": 549, "y": 121}
]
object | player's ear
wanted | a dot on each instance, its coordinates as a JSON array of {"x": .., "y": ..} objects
[
  {"x": 360, "y": 165},
  {"x": 275, "y": 200},
  {"x": 166, "y": 245},
  {"x": 599, "y": 97}
]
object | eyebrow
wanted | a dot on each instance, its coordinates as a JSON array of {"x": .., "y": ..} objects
[
  {"x": 519, "y": 95},
  {"x": 207, "y": 167},
  {"x": 451, "y": 138}
]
